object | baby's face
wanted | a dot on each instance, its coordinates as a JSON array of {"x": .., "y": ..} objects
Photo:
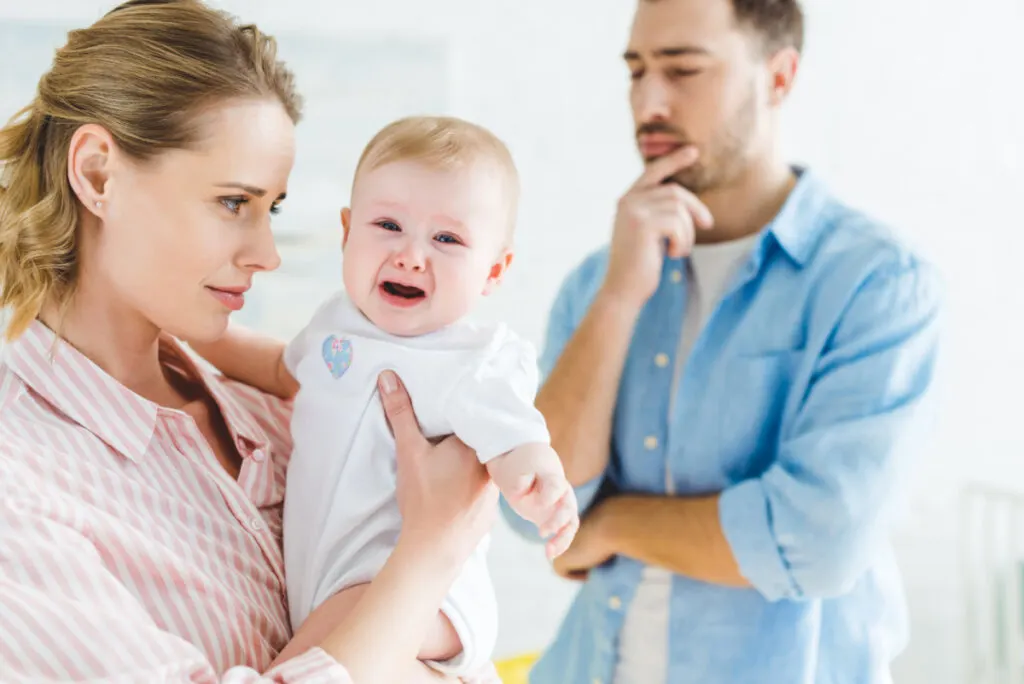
[{"x": 423, "y": 245}]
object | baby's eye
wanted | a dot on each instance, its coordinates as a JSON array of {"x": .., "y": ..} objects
[
  {"x": 448, "y": 239},
  {"x": 389, "y": 225}
]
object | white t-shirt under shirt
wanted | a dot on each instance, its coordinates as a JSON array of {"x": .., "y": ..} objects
[
  {"x": 643, "y": 641},
  {"x": 341, "y": 517}
]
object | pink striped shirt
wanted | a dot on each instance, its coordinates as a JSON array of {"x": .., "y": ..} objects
[{"x": 127, "y": 552}]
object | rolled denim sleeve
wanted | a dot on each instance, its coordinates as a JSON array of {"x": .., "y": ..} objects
[{"x": 809, "y": 526}]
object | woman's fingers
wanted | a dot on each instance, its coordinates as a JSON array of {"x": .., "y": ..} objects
[{"x": 398, "y": 409}]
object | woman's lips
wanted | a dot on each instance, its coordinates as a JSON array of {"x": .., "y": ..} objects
[{"x": 233, "y": 299}]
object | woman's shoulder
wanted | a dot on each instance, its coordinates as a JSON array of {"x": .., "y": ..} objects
[
  {"x": 10, "y": 387},
  {"x": 16, "y": 433},
  {"x": 34, "y": 435}
]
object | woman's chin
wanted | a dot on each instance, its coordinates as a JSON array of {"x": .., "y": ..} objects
[{"x": 210, "y": 329}]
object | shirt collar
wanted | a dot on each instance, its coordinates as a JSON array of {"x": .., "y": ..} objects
[
  {"x": 244, "y": 429},
  {"x": 86, "y": 394},
  {"x": 798, "y": 225}
]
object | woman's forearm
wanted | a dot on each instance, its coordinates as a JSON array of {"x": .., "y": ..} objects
[
  {"x": 252, "y": 358},
  {"x": 385, "y": 632}
]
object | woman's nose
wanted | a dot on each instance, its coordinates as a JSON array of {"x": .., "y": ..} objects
[{"x": 262, "y": 254}]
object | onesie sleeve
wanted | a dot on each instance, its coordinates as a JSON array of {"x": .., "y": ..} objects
[{"x": 490, "y": 407}]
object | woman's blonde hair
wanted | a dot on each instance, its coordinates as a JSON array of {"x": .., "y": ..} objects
[
  {"x": 442, "y": 142},
  {"x": 144, "y": 72}
]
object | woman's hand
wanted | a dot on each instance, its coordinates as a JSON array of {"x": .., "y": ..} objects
[
  {"x": 448, "y": 504},
  {"x": 445, "y": 495}
]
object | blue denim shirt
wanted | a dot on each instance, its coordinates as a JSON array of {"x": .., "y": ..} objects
[{"x": 801, "y": 402}]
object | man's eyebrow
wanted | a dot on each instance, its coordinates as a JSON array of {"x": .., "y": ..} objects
[{"x": 672, "y": 51}]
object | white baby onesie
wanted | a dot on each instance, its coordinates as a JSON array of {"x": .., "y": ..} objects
[{"x": 341, "y": 518}]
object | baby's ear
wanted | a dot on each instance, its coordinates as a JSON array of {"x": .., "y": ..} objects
[
  {"x": 498, "y": 270},
  {"x": 346, "y": 223}
]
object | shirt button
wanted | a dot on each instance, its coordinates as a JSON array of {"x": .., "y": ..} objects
[
  {"x": 661, "y": 360},
  {"x": 677, "y": 276},
  {"x": 256, "y": 524},
  {"x": 259, "y": 456},
  {"x": 651, "y": 442},
  {"x": 615, "y": 603}
]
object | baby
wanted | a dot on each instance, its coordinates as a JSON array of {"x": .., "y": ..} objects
[{"x": 428, "y": 234}]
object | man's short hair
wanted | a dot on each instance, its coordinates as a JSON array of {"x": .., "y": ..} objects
[{"x": 779, "y": 22}]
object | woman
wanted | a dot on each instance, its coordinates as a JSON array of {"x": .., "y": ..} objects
[{"x": 140, "y": 496}]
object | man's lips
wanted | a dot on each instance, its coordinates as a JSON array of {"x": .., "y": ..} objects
[{"x": 652, "y": 146}]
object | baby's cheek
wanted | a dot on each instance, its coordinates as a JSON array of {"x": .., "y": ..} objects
[
  {"x": 359, "y": 268},
  {"x": 461, "y": 284}
]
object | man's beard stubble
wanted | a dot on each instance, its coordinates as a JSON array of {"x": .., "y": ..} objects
[{"x": 722, "y": 160}]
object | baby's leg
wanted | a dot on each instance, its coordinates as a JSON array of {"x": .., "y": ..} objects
[
  {"x": 442, "y": 641},
  {"x": 321, "y": 621}
]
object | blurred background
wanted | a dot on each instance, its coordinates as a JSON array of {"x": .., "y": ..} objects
[{"x": 913, "y": 110}]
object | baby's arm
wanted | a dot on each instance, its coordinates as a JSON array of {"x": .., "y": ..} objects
[
  {"x": 532, "y": 480},
  {"x": 491, "y": 409},
  {"x": 252, "y": 358}
]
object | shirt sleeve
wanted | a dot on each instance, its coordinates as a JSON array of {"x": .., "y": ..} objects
[
  {"x": 490, "y": 407},
  {"x": 809, "y": 526},
  {"x": 67, "y": 618}
]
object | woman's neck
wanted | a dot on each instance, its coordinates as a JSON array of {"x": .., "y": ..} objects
[{"x": 117, "y": 339}]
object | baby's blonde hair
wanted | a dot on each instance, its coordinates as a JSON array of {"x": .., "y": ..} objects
[{"x": 442, "y": 142}]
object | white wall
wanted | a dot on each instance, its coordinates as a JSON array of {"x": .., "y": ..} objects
[{"x": 912, "y": 109}]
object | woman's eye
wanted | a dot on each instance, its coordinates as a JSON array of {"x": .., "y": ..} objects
[
  {"x": 233, "y": 204},
  {"x": 447, "y": 239},
  {"x": 389, "y": 225}
]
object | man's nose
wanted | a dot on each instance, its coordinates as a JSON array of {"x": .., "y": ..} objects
[{"x": 651, "y": 100}]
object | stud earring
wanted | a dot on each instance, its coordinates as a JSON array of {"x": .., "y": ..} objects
[{"x": 99, "y": 205}]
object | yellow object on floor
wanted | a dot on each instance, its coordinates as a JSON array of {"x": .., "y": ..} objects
[{"x": 516, "y": 670}]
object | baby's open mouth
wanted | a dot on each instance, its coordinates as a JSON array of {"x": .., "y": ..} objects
[{"x": 403, "y": 291}]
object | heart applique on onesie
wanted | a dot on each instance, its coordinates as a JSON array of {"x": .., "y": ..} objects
[{"x": 337, "y": 353}]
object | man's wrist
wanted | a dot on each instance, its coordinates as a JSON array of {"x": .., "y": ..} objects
[
  {"x": 609, "y": 519},
  {"x": 616, "y": 302}
]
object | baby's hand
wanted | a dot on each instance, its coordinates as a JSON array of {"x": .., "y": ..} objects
[{"x": 533, "y": 482}]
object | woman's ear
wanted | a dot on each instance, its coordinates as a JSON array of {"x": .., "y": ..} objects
[{"x": 90, "y": 161}]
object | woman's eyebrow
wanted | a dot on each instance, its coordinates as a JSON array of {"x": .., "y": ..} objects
[{"x": 251, "y": 189}]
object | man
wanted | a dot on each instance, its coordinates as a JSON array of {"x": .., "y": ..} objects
[{"x": 735, "y": 386}]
